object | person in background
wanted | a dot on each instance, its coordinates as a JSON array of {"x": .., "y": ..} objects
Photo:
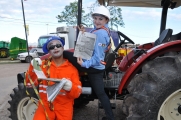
[
  {"x": 56, "y": 67},
  {"x": 95, "y": 67}
]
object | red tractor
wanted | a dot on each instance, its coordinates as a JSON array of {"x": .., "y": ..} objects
[{"x": 148, "y": 79}]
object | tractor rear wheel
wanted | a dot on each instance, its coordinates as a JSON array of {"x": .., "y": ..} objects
[
  {"x": 155, "y": 94},
  {"x": 21, "y": 106}
]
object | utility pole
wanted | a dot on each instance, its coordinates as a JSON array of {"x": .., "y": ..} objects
[
  {"x": 25, "y": 29},
  {"x": 79, "y": 4}
]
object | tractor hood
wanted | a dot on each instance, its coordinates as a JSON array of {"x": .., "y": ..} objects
[{"x": 139, "y": 3}]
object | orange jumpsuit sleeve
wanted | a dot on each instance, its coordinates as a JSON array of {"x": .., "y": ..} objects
[
  {"x": 76, "y": 85},
  {"x": 30, "y": 72}
]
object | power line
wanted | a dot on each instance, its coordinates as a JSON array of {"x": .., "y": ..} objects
[
  {"x": 43, "y": 23},
  {"x": 21, "y": 22},
  {"x": 15, "y": 22},
  {"x": 28, "y": 20}
]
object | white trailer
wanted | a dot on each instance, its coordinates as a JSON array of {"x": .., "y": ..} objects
[{"x": 68, "y": 34}]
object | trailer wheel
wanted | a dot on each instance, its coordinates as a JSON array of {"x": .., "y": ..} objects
[
  {"x": 21, "y": 106},
  {"x": 155, "y": 94}
]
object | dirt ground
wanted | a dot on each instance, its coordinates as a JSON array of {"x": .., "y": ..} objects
[
  {"x": 88, "y": 112},
  {"x": 9, "y": 81}
]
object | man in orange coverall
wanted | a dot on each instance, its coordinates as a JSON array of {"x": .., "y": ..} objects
[{"x": 56, "y": 67}]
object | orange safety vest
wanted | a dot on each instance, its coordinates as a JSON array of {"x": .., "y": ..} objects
[{"x": 109, "y": 45}]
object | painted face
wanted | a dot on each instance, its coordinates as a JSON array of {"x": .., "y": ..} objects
[
  {"x": 55, "y": 48},
  {"x": 99, "y": 21}
]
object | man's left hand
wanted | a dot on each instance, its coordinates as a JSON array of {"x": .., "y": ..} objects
[{"x": 68, "y": 85}]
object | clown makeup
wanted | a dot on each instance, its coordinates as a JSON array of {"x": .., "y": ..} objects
[{"x": 55, "y": 48}]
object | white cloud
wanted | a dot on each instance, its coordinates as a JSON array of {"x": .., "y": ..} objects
[
  {"x": 149, "y": 13},
  {"x": 175, "y": 16},
  {"x": 38, "y": 14},
  {"x": 142, "y": 13},
  {"x": 5, "y": 15}
]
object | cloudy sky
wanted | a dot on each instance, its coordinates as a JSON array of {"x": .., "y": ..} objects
[{"x": 142, "y": 25}]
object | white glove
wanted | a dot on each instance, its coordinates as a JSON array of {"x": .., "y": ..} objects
[
  {"x": 37, "y": 60},
  {"x": 68, "y": 85}
]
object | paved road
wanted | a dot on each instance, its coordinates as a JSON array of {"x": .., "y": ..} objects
[
  {"x": 8, "y": 76},
  {"x": 8, "y": 80}
]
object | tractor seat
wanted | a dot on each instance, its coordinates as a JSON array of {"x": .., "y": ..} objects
[
  {"x": 176, "y": 37},
  {"x": 164, "y": 37}
]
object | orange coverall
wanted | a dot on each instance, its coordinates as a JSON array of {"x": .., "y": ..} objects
[{"x": 63, "y": 103}]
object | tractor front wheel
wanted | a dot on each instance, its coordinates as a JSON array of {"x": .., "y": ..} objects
[
  {"x": 21, "y": 106},
  {"x": 155, "y": 94}
]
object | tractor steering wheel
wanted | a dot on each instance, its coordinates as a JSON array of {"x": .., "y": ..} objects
[
  {"x": 125, "y": 37},
  {"x": 122, "y": 41}
]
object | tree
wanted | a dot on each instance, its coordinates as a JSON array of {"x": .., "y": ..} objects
[
  {"x": 116, "y": 17},
  {"x": 70, "y": 15}
]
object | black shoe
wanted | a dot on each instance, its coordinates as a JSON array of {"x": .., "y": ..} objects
[{"x": 104, "y": 118}]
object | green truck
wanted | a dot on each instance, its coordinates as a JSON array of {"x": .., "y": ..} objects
[{"x": 12, "y": 49}]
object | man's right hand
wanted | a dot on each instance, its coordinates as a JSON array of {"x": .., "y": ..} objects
[{"x": 37, "y": 60}]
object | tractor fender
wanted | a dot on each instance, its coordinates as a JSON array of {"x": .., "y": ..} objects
[
  {"x": 126, "y": 61},
  {"x": 149, "y": 55}
]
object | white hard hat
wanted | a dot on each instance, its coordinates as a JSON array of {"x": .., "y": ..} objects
[{"x": 102, "y": 10}]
